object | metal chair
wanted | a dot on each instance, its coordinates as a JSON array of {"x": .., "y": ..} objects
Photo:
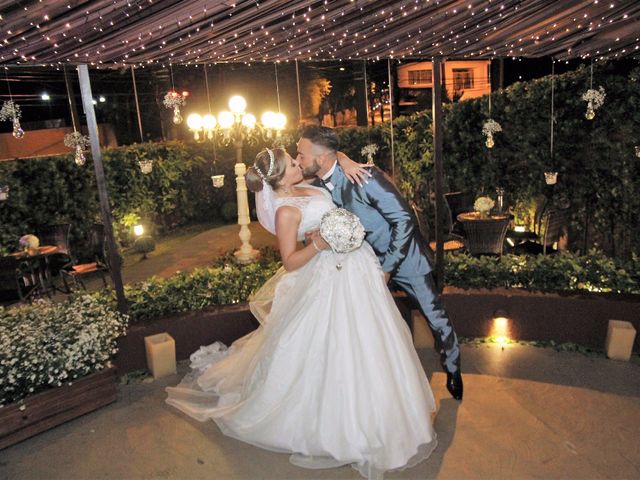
[
  {"x": 77, "y": 272},
  {"x": 57, "y": 235},
  {"x": 17, "y": 281},
  {"x": 485, "y": 237},
  {"x": 452, "y": 242}
]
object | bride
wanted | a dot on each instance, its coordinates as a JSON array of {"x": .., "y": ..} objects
[{"x": 330, "y": 375}]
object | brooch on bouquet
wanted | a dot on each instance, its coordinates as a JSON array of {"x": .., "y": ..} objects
[{"x": 342, "y": 230}]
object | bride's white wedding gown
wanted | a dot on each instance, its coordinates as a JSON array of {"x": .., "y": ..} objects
[{"x": 330, "y": 376}]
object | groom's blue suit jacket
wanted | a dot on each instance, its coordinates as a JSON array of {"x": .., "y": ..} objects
[{"x": 390, "y": 227}]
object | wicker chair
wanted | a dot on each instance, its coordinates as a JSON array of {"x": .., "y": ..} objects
[
  {"x": 551, "y": 226},
  {"x": 458, "y": 202},
  {"x": 57, "y": 235},
  {"x": 452, "y": 242},
  {"x": 75, "y": 273},
  {"x": 485, "y": 237}
]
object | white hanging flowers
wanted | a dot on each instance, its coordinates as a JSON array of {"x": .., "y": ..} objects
[
  {"x": 594, "y": 99},
  {"x": 11, "y": 111},
  {"x": 488, "y": 129},
  {"x": 175, "y": 100},
  {"x": 80, "y": 143},
  {"x": 369, "y": 151}
]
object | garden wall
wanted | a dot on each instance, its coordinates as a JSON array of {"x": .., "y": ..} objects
[{"x": 581, "y": 319}]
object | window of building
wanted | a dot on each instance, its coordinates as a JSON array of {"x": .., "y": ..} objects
[
  {"x": 420, "y": 77},
  {"x": 462, "y": 78}
]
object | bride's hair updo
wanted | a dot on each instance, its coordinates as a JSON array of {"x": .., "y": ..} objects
[{"x": 266, "y": 169}]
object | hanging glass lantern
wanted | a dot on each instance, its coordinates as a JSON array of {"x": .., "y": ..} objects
[
  {"x": 638, "y": 151},
  {"x": 146, "y": 166},
  {"x": 4, "y": 193},
  {"x": 18, "y": 132},
  {"x": 550, "y": 178},
  {"x": 217, "y": 180},
  {"x": 489, "y": 143},
  {"x": 590, "y": 113},
  {"x": 177, "y": 117},
  {"x": 79, "y": 157}
]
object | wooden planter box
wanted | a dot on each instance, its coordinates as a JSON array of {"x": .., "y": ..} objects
[{"x": 53, "y": 407}]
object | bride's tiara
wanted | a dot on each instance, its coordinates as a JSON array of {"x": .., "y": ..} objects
[{"x": 272, "y": 163}]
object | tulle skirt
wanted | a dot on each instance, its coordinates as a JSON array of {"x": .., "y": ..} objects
[{"x": 330, "y": 376}]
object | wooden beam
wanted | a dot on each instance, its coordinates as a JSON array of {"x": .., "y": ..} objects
[
  {"x": 437, "y": 158},
  {"x": 115, "y": 260}
]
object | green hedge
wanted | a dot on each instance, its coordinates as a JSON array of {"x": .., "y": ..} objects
[
  {"x": 54, "y": 190},
  {"x": 225, "y": 282}
]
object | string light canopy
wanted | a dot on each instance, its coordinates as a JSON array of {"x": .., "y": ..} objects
[{"x": 142, "y": 32}]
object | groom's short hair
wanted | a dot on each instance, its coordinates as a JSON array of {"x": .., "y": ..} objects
[{"x": 323, "y": 136}]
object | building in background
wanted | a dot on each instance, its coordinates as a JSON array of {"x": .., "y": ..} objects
[{"x": 462, "y": 79}]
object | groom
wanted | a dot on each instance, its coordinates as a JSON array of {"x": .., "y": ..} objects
[{"x": 391, "y": 232}]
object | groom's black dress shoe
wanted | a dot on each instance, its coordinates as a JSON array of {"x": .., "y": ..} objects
[{"x": 454, "y": 384}]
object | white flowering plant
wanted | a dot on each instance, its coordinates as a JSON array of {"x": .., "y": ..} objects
[
  {"x": 490, "y": 127},
  {"x": 45, "y": 345},
  {"x": 483, "y": 204},
  {"x": 76, "y": 139},
  {"x": 10, "y": 111},
  {"x": 595, "y": 98},
  {"x": 342, "y": 230},
  {"x": 369, "y": 151}
]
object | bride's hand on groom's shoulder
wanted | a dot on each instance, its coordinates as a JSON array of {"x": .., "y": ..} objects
[{"x": 356, "y": 172}]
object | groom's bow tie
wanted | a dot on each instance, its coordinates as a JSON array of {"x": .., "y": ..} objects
[{"x": 328, "y": 185}]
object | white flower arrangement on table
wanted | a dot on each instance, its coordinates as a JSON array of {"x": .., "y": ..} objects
[
  {"x": 369, "y": 151},
  {"x": 483, "y": 205},
  {"x": 594, "y": 99},
  {"x": 342, "y": 230},
  {"x": 46, "y": 345},
  {"x": 28, "y": 242},
  {"x": 488, "y": 129}
]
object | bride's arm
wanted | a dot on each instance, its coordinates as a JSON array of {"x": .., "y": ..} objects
[
  {"x": 287, "y": 223},
  {"x": 355, "y": 172}
]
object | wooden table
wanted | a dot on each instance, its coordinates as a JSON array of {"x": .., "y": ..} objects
[{"x": 475, "y": 216}]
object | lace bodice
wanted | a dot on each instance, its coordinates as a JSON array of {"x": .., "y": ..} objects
[{"x": 311, "y": 207}]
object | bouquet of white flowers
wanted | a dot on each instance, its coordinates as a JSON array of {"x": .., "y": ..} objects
[
  {"x": 342, "y": 230},
  {"x": 28, "y": 242}
]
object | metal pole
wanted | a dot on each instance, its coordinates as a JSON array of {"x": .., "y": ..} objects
[
  {"x": 75, "y": 118},
  {"x": 299, "y": 101},
  {"x": 366, "y": 88},
  {"x": 437, "y": 156},
  {"x": 277, "y": 86},
  {"x": 393, "y": 153},
  {"x": 115, "y": 261},
  {"x": 135, "y": 92}
]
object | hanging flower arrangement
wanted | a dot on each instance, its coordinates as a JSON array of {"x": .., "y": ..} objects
[
  {"x": 78, "y": 142},
  {"x": 488, "y": 129},
  {"x": 175, "y": 100},
  {"x": 594, "y": 99},
  {"x": 11, "y": 111},
  {"x": 369, "y": 151}
]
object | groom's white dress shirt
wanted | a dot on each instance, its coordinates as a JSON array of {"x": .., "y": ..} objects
[{"x": 328, "y": 175}]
